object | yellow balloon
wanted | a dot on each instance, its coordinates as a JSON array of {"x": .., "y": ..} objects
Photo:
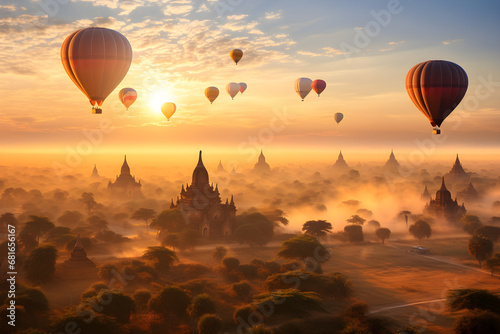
[
  {"x": 168, "y": 109},
  {"x": 211, "y": 93},
  {"x": 236, "y": 55}
]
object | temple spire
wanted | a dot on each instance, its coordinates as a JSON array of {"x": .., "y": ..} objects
[{"x": 443, "y": 186}]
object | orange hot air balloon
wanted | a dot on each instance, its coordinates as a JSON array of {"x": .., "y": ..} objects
[
  {"x": 236, "y": 55},
  {"x": 127, "y": 96},
  {"x": 96, "y": 60},
  {"x": 168, "y": 109},
  {"x": 318, "y": 86},
  {"x": 436, "y": 87},
  {"x": 211, "y": 93}
]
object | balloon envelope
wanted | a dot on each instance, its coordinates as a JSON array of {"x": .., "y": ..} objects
[
  {"x": 127, "y": 96},
  {"x": 236, "y": 55},
  {"x": 168, "y": 109},
  {"x": 319, "y": 86},
  {"x": 339, "y": 117},
  {"x": 233, "y": 89},
  {"x": 211, "y": 93},
  {"x": 436, "y": 87},
  {"x": 96, "y": 60},
  {"x": 243, "y": 87},
  {"x": 303, "y": 86}
]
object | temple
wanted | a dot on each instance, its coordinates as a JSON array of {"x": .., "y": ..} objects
[
  {"x": 444, "y": 207},
  {"x": 457, "y": 173},
  {"x": 125, "y": 184},
  {"x": 95, "y": 173},
  {"x": 470, "y": 193},
  {"x": 341, "y": 164},
  {"x": 79, "y": 264},
  {"x": 392, "y": 163},
  {"x": 202, "y": 206},
  {"x": 220, "y": 168},
  {"x": 425, "y": 196},
  {"x": 262, "y": 166}
]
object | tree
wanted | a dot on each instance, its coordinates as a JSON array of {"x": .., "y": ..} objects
[
  {"x": 97, "y": 223},
  {"x": 471, "y": 299},
  {"x": 317, "y": 228},
  {"x": 210, "y": 324},
  {"x": 493, "y": 263},
  {"x": 354, "y": 233},
  {"x": 41, "y": 264},
  {"x": 420, "y": 230},
  {"x": 164, "y": 257},
  {"x": 172, "y": 300},
  {"x": 481, "y": 248},
  {"x": 373, "y": 225},
  {"x": 189, "y": 239},
  {"x": 383, "y": 233},
  {"x": 170, "y": 221},
  {"x": 303, "y": 247},
  {"x": 7, "y": 219},
  {"x": 470, "y": 223},
  {"x": 355, "y": 219},
  {"x": 231, "y": 263},
  {"x": 490, "y": 232},
  {"x": 292, "y": 303},
  {"x": 59, "y": 236},
  {"x": 26, "y": 241},
  {"x": 242, "y": 290},
  {"x": 478, "y": 322},
  {"x": 219, "y": 253},
  {"x": 144, "y": 214},
  {"x": 141, "y": 298},
  {"x": 107, "y": 272},
  {"x": 253, "y": 228},
  {"x": 404, "y": 214},
  {"x": 115, "y": 304},
  {"x": 88, "y": 200},
  {"x": 201, "y": 305},
  {"x": 171, "y": 240},
  {"x": 38, "y": 226},
  {"x": 70, "y": 218},
  {"x": 100, "y": 324}
]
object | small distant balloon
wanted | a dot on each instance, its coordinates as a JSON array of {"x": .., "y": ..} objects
[
  {"x": 303, "y": 86},
  {"x": 236, "y": 55},
  {"x": 127, "y": 96},
  {"x": 319, "y": 86},
  {"x": 233, "y": 89},
  {"x": 211, "y": 93},
  {"x": 168, "y": 109},
  {"x": 339, "y": 117},
  {"x": 243, "y": 87}
]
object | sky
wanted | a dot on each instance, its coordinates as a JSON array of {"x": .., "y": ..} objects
[{"x": 362, "y": 49}]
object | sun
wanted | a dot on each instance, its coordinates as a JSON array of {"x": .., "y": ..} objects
[{"x": 157, "y": 99}]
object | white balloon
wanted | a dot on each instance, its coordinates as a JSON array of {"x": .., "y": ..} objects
[
  {"x": 303, "y": 86},
  {"x": 232, "y": 89}
]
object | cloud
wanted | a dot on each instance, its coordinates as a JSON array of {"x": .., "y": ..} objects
[
  {"x": 450, "y": 41},
  {"x": 237, "y": 17},
  {"x": 308, "y": 53},
  {"x": 333, "y": 51},
  {"x": 273, "y": 15},
  {"x": 396, "y": 43}
]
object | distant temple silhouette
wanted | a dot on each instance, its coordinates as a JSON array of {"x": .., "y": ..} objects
[
  {"x": 457, "y": 173},
  {"x": 262, "y": 166},
  {"x": 470, "y": 193},
  {"x": 220, "y": 168},
  {"x": 202, "y": 206},
  {"x": 340, "y": 164},
  {"x": 95, "y": 173},
  {"x": 392, "y": 163},
  {"x": 125, "y": 184},
  {"x": 425, "y": 195},
  {"x": 444, "y": 207},
  {"x": 79, "y": 264}
]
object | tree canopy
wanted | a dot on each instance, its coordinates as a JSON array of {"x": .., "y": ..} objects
[
  {"x": 302, "y": 247},
  {"x": 317, "y": 228}
]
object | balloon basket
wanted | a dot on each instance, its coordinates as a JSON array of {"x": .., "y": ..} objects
[
  {"x": 436, "y": 131},
  {"x": 96, "y": 110}
]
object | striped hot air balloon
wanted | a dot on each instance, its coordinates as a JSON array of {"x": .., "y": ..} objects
[{"x": 127, "y": 96}]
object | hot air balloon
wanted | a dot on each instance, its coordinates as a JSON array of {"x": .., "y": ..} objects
[
  {"x": 127, "y": 96},
  {"x": 211, "y": 93},
  {"x": 436, "y": 87},
  {"x": 318, "y": 86},
  {"x": 303, "y": 86},
  {"x": 339, "y": 117},
  {"x": 96, "y": 60},
  {"x": 233, "y": 89},
  {"x": 243, "y": 87},
  {"x": 168, "y": 109},
  {"x": 236, "y": 55}
]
